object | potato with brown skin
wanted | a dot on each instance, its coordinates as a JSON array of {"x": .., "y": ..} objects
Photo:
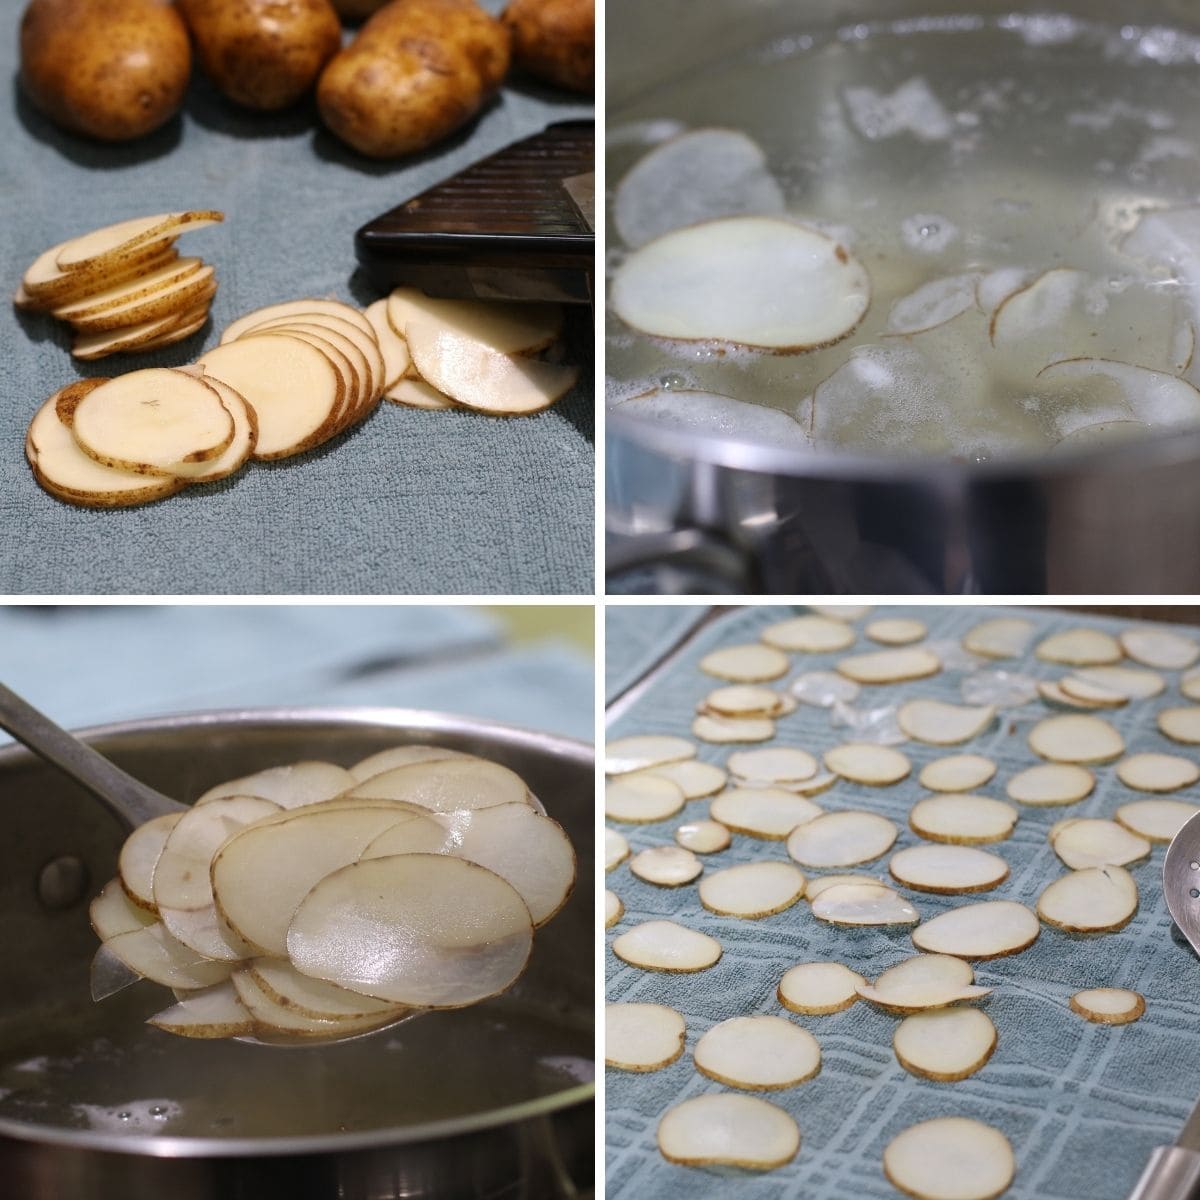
[
  {"x": 555, "y": 41},
  {"x": 111, "y": 69},
  {"x": 263, "y": 54},
  {"x": 417, "y": 71}
]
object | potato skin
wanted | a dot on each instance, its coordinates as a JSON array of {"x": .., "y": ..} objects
[
  {"x": 555, "y": 40},
  {"x": 111, "y": 69},
  {"x": 418, "y": 70},
  {"x": 263, "y": 54}
]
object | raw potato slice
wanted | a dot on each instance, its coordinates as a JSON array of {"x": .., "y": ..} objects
[
  {"x": 505, "y": 328},
  {"x": 112, "y": 912},
  {"x": 962, "y": 820},
  {"x": 1189, "y": 685},
  {"x": 275, "y": 1021},
  {"x": 819, "y": 988},
  {"x": 1108, "y": 1006},
  {"x": 177, "y": 296},
  {"x": 212, "y": 1012},
  {"x": 643, "y": 751},
  {"x": 666, "y": 946},
  {"x": 743, "y": 700},
  {"x": 1160, "y": 648},
  {"x": 1157, "y": 772},
  {"x": 139, "y": 854},
  {"x": 990, "y": 929},
  {"x": 283, "y": 984},
  {"x": 957, "y": 773},
  {"x": 290, "y": 786},
  {"x": 614, "y": 910},
  {"x": 1181, "y": 724},
  {"x": 1130, "y": 682},
  {"x": 642, "y": 1037},
  {"x": 1156, "y": 820},
  {"x": 240, "y": 449},
  {"x": 1076, "y": 739},
  {"x": 841, "y": 839},
  {"x": 120, "y": 294},
  {"x": 396, "y": 756},
  {"x": 761, "y": 1053},
  {"x": 781, "y": 764},
  {"x": 1094, "y": 900},
  {"x": 819, "y": 883},
  {"x": 155, "y": 955},
  {"x": 99, "y": 345},
  {"x": 426, "y": 930},
  {"x": 416, "y": 393},
  {"x": 695, "y": 779},
  {"x": 722, "y": 730},
  {"x": 926, "y": 981},
  {"x": 940, "y": 724},
  {"x": 770, "y": 813},
  {"x": 1080, "y": 648},
  {"x": 1051, "y": 783},
  {"x": 890, "y": 666},
  {"x": 945, "y": 1045},
  {"x": 999, "y": 637},
  {"x": 738, "y": 1131},
  {"x": 762, "y": 282},
  {"x": 703, "y": 837},
  {"x": 809, "y": 635},
  {"x": 115, "y": 242},
  {"x": 201, "y": 929},
  {"x": 616, "y": 849},
  {"x": 666, "y": 866},
  {"x": 447, "y": 785},
  {"x": 863, "y": 904},
  {"x": 642, "y": 799},
  {"x": 896, "y": 631},
  {"x": 749, "y": 663},
  {"x": 1084, "y": 693},
  {"x": 865, "y": 762},
  {"x": 1053, "y": 693},
  {"x": 752, "y": 890},
  {"x": 950, "y": 1158},
  {"x": 391, "y": 345},
  {"x": 812, "y": 787},
  {"x": 948, "y": 870},
  {"x": 296, "y": 308},
  {"x": 1095, "y": 842}
]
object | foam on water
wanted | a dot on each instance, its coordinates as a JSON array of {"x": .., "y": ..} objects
[
  {"x": 911, "y": 108},
  {"x": 137, "y": 1116}
]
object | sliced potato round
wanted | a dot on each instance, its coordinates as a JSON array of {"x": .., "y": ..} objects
[
  {"x": 1129, "y": 682},
  {"x": 289, "y": 786},
  {"x": 897, "y": 631},
  {"x": 743, "y": 700},
  {"x": 394, "y": 756},
  {"x": 841, "y": 839},
  {"x": 819, "y": 988},
  {"x": 283, "y": 984},
  {"x": 518, "y": 329},
  {"x": 139, "y": 854},
  {"x": 948, "y": 869},
  {"x": 945, "y": 1045},
  {"x": 760, "y": 1053},
  {"x": 416, "y": 393},
  {"x": 1080, "y": 648},
  {"x": 695, "y": 779},
  {"x": 642, "y": 1037},
  {"x": 863, "y": 904},
  {"x": 1051, "y": 783},
  {"x": 1181, "y": 724},
  {"x": 1095, "y": 842},
  {"x": 1076, "y": 739},
  {"x": 809, "y": 634},
  {"x": 211, "y": 1012},
  {"x": 392, "y": 346},
  {"x": 667, "y": 946},
  {"x": 1083, "y": 693},
  {"x": 113, "y": 912},
  {"x": 752, "y": 890},
  {"x": 961, "y": 819},
  {"x": 824, "y": 688},
  {"x": 155, "y": 955},
  {"x": 202, "y": 930},
  {"x": 703, "y": 836},
  {"x": 426, "y": 930},
  {"x": 1094, "y": 900},
  {"x": 115, "y": 242},
  {"x": 722, "y": 730},
  {"x": 819, "y": 883},
  {"x": 770, "y": 813},
  {"x": 642, "y": 751},
  {"x": 738, "y": 1131},
  {"x": 925, "y": 981},
  {"x": 614, "y": 910},
  {"x": 1108, "y": 1006},
  {"x": 957, "y": 773},
  {"x": 778, "y": 764},
  {"x": 666, "y": 866},
  {"x": 999, "y": 637},
  {"x": 1156, "y": 820},
  {"x": 942, "y": 724},
  {"x": 1157, "y": 772},
  {"x": 890, "y": 666},
  {"x": 641, "y": 799},
  {"x": 296, "y": 308},
  {"x": 989, "y": 929},
  {"x": 1160, "y": 648},
  {"x": 812, "y": 787},
  {"x": 749, "y": 663},
  {"x": 866, "y": 762},
  {"x": 446, "y": 785},
  {"x": 274, "y": 1021},
  {"x": 950, "y": 1158},
  {"x": 616, "y": 849}
]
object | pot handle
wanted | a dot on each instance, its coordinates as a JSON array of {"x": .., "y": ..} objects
[{"x": 685, "y": 561}]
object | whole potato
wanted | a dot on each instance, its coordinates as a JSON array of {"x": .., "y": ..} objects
[
  {"x": 555, "y": 40},
  {"x": 417, "y": 70},
  {"x": 263, "y": 54},
  {"x": 113, "y": 69}
]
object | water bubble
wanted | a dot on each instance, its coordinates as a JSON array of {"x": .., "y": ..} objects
[
  {"x": 672, "y": 382},
  {"x": 1194, "y": 893},
  {"x": 158, "y": 1112},
  {"x": 1195, "y": 866},
  {"x": 124, "y": 1116}
]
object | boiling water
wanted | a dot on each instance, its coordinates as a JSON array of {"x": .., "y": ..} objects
[{"x": 933, "y": 148}]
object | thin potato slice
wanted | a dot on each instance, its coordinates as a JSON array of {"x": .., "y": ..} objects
[
  {"x": 90, "y": 347},
  {"x": 945, "y": 1045},
  {"x": 1160, "y": 648},
  {"x": 819, "y": 988},
  {"x": 1181, "y": 724},
  {"x": 447, "y": 785},
  {"x": 749, "y": 663},
  {"x": 120, "y": 294},
  {"x": 940, "y": 724},
  {"x": 416, "y": 393},
  {"x": 923, "y": 982},
  {"x": 202, "y": 930},
  {"x": 722, "y": 730},
  {"x": 1050, "y": 784},
  {"x": 391, "y": 345},
  {"x": 616, "y": 849},
  {"x": 744, "y": 700},
  {"x": 1108, "y": 1006},
  {"x": 666, "y": 946},
  {"x": 1078, "y": 740},
  {"x": 999, "y": 637},
  {"x": 809, "y": 634},
  {"x": 174, "y": 297},
  {"x": 1130, "y": 682},
  {"x": 1095, "y": 842},
  {"x": 1156, "y": 820},
  {"x": 666, "y": 866},
  {"x": 961, "y": 819},
  {"x": 760, "y": 1053},
  {"x": 863, "y": 904},
  {"x": 1157, "y": 772},
  {"x": 139, "y": 854},
  {"x": 614, "y": 910},
  {"x": 426, "y": 930},
  {"x": 641, "y": 799},
  {"x": 695, "y": 779},
  {"x": 1052, "y": 692},
  {"x": 290, "y": 786},
  {"x": 1084, "y": 692},
  {"x": 155, "y": 955},
  {"x": 752, "y": 890},
  {"x": 739, "y": 1131},
  {"x": 948, "y": 869},
  {"x": 273, "y": 1020},
  {"x": 897, "y": 631},
  {"x": 640, "y": 752},
  {"x": 1094, "y": 900},
  {"x": 395, "y": 756},
  {"x": 770, "y": 813},
  {"x": 782, "y": 765},
  {"x": 510, "y": 329},
  {"x": 841, "y": 839},
  {"x": 819, "y": 883},
  {"x": 703, "y": 836},
  {"x": 239, "y": 450},
  {"x": 950, "y": 1158},
  {"x": 112, "y": 912},
  {"x": 115, "y": 242},
  {"x": 890, "y": 666},
  {"x": 296, "y": 308},
  {"x": 1080, "y": 648},
  {"x": 987, "y": 930},
  {"x": 866, "y": 762},
  {"x": 957, "y": 773},
  {"x": 283, "y": 984},
  {"x": 642, "y": 1037},
  {"x": 212, "y": 1012}
]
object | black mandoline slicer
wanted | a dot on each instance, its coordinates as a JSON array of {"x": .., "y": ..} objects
[{"x": 516, "y": 226}]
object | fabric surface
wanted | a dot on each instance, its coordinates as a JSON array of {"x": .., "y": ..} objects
[
  {"x": 409, "y": 502},
  {"x": 635, "y": 642},
  {"x": 1082, "y": 1104},
  {"x": 92, "y": 664}
]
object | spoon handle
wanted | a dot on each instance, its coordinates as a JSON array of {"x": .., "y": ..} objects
[{"x": 132, "y": 802}]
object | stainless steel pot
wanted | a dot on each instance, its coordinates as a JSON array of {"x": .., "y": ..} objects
[
  {"x": 492, "y": 1101},
  {"x": 693, "y": 513}
]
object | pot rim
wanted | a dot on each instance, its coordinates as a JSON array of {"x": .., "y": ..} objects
[{"x": 417, "y": 721}]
